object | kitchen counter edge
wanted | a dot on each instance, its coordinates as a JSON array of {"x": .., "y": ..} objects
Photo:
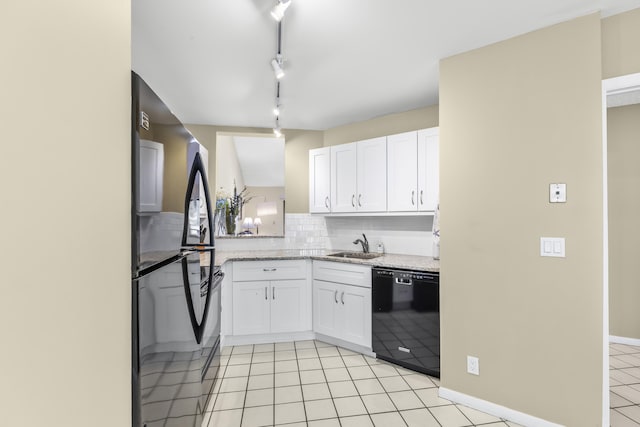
[{"x": 407, "y": 262}]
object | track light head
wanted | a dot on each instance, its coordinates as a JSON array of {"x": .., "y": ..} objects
[
  {"x": 276, "y": 64},
  {"x": 276, "y": 110},
  {"x": 278, "y": 11},
  {"x": 277, "y": 131}
]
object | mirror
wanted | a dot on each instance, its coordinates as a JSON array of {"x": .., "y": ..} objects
[{"x": 252, "y": 165}]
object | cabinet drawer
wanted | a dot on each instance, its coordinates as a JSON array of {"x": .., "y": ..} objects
[
  {"x": 269, "y": 270},
  {"x": 340, "y": 272}
]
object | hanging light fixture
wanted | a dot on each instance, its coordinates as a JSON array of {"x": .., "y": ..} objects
[
  {"x": 276, "y": 64},
  {"x": 279, "y": 9}
]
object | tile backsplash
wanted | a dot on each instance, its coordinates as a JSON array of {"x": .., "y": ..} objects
[{"x": 410, "y": 235}]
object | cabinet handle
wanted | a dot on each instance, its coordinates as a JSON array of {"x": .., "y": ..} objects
[
  {"x": 269, "y": 269},
  {"x": 266, "y": 296},
  {"x": 342, "y": 298},
  {"x": 273, "y": 293},
  {"x": 353, "y": 200},
  {"x": 326, "y": 202},
  {"x": 421, "y": 201},
  {"x": 359, "y": 200},
  {"x": 413, "y": 193},
  {"x": 335, "y": 296}
]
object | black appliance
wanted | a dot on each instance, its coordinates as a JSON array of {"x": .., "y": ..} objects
[
  {"x": 406, "y": 318},
  {"x": 175, "y": 284}
]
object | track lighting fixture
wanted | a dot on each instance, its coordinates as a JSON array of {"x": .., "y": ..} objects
[
  {"x": 278, "y": 11},
  {"x": 276, "y": 110},
  {"x": 276, "y": 64}
]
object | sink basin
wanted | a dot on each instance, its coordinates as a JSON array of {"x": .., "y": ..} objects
[{"x": 356, "y": 255}]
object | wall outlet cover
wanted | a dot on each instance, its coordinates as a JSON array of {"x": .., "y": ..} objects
[{"x": 473, "y": 365}]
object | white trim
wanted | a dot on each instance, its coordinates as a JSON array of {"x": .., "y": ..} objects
[
  {"x": 622, "y": 83},
  {"x": 345, "y": 344},
  {"x": 495, "y": 409},
  {"x": 605, "y": 264},
  {"x": 624, "y": 340},
  {"x": 228, "y": 340}
]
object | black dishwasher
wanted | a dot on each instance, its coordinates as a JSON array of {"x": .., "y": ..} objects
[{"x": 406, "y": 318}]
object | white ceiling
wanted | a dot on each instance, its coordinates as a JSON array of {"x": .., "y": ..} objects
[
  {"x": 346, "y": 60},
  {"x": 261, "y": 160}
]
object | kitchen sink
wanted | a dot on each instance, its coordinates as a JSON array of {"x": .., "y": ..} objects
[{"x": 355, "y": 255}]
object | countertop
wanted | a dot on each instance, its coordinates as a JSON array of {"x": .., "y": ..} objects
[{"x": 409, "y": 262}]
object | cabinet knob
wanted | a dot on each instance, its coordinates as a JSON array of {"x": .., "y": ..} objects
[
  {"x": 269, "y": 269},
  {"x": 353, "y": 200},
  {"x": 342, "y": 298},
  {"x": 413, "y": 194},
  {"x": 360, "y": 200},
  {"x": 335, "y": 296},
  {"x": 273, "y": 293},
  {"x": 421, "y": 201},
  {"x": 326, "y": 202},
  {"x": 266, "y": 296}
]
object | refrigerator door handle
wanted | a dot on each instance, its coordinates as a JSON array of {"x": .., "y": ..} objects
[
  {"x": 198, "y": 328},
  {"x": 197, "y": 167}
]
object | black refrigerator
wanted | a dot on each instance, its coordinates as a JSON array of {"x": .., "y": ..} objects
[{"x": 175, "y": 283}]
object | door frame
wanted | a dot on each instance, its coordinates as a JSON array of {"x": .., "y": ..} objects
[{"x": 609, "y": 86}]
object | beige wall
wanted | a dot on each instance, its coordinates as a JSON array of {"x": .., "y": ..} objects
[
  {"x": 65, "y": 285},
  {"x": 621, "y": 44},
  {"x": 528, "y": 115},
  {"x": 296, "y": 164},
  {"x": 623, "y": 129},
  {"x": 175, "y": 166},
  {"x": 420, "y": 118}
]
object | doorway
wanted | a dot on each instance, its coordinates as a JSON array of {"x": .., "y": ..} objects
[{"x": 622, "y": 96}]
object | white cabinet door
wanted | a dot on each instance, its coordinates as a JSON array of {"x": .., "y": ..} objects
[
  {"x": 150, "y": 171},
  {"x": 288, "y": 305},
  {"x": 372, "y": 175},
  {"x": 325, "y": 297},
  {"x": 251, "y": 307},
  {"x": 402, "y": 172},
  {"x": 355, "y": 315},
  {"x": 320, "y": 180},
  {"x": 343, "y": 178},
  {"x": 428, "y": 169}
]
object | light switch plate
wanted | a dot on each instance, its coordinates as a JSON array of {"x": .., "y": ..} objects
[
  {"x": 557, "y": 193},
  {"x": 552, "y": 246}
]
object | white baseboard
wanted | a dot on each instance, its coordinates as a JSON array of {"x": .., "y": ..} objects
[
  {"x": 228, "y": 340},
  {"x": 624, "y": 340},
  {"x": 345, "y": 344},
  {"x": 494, "y": 409}
]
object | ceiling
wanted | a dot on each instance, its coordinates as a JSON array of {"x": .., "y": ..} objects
[{"x": 345, "y": 60}]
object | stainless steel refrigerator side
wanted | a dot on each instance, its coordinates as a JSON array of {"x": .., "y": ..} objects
[{"x": 135, "y": 363}]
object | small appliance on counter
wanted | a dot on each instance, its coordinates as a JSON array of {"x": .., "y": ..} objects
[
  {"x": 175, "y": 285},
  {"x": 406, "y": 318}
]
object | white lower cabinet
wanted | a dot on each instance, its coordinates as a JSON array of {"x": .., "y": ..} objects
[
  {"x": 342, "y": 310},
  {"x": 279, "y": 304}
]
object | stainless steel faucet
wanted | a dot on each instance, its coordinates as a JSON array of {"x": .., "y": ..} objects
[{"x": 365, "y": 244}]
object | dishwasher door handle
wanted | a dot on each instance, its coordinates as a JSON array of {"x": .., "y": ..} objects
[{"x": 405, "y": 282}]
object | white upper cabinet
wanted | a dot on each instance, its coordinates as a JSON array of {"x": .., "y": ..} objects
[
  {"x": 372, "y": 175},
  {"x": 396, "y": 173},
  {"x": 343, "y": 178},
  {"x": 150, "y": 176},
  {"x": 402, "y": 171},
  {"x": 428, "y": 169},
  {"x": 412, "y": 171},
  {"x": 320, "y": 180}
]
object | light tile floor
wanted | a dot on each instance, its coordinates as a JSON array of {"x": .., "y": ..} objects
[
  {"x": 624, "y": 391},
  {"x": 314, "y": 384}
]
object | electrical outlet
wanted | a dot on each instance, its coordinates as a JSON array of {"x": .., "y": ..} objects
[{"x": 473, "y": 365}]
